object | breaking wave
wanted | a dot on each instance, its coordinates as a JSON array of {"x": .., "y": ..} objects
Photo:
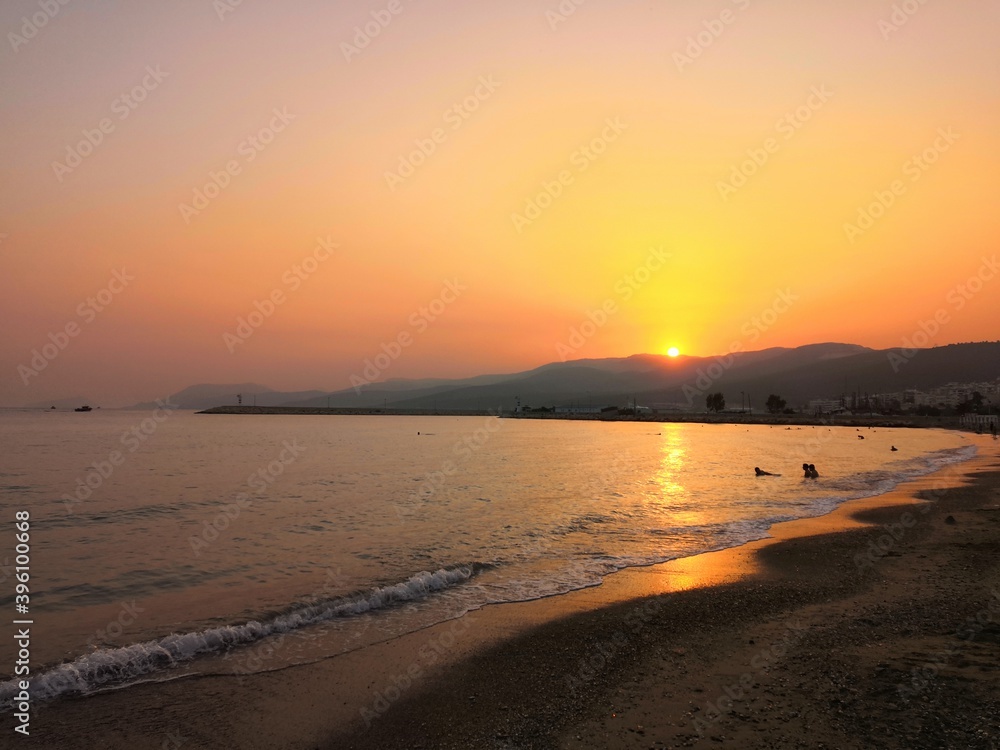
[{"x": 109, "y": 667}]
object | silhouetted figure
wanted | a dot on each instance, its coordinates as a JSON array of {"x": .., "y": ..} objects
[
  {"x": 861, "y": 437},
  {"x": 813, "y": 474},
  {"x": 805, "y": 469},
  {"x": 759, "y": 472},
  {"x": 894, "y": 448}
]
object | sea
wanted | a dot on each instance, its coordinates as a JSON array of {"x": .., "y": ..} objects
[{"x": 165, "y": 544}]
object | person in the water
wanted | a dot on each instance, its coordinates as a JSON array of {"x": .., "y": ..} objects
[
  {"x": 813, "y": 474},
  {"x": 761, "y": 473},
  {"x": 805, "y": 471}
]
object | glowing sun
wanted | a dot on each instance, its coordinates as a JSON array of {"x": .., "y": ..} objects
[{"x": 673, "y": 351}]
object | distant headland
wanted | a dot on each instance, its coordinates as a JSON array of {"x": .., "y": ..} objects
[
  {"x": 783, "y": 420},
  {"x": 815, "y": 384}
]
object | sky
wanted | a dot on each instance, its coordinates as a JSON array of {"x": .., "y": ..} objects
[{"x": 292, "y": 194}]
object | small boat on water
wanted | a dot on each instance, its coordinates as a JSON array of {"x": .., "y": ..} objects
[{"x": 83, "y": 408}]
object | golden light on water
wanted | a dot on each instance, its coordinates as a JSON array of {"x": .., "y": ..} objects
[{"x": 672, "y": 463}]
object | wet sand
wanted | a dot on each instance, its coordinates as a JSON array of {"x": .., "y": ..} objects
[{"x": 834, "y": 633}]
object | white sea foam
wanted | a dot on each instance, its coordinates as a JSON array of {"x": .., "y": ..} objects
[
  {"x": 714, "y": 536},
  {"x": 569, "y": 504},
  {"x": 107, "y": 667}
]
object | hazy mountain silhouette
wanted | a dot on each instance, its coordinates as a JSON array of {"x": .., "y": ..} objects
[{"x": 797, "y": 375}]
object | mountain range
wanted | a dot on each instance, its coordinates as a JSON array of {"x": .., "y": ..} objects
[{"x": 796, "y": 374}]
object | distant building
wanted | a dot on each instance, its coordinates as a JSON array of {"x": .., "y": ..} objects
[
  {"x": 979, "y": 421},
  {"x": 950, "y": 395},
  {"x": 577, "y": 409},
  {"x": 947, "y": 396},
  {"x": 826, "y": 406},
  {"x": 664, "y": 406}
]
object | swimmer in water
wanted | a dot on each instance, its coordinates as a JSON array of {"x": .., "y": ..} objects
[
  {"x": 813, "y": 474},
  {"x": 805, "y": 469},
  {"x": 757, "y": 470},
  {"x": 894, "y": 448}
]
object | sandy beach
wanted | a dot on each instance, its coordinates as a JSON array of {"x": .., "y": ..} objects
[{"x": 874, "y": 626}]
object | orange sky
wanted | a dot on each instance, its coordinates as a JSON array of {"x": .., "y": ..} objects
[{"x": 532, "y": 168}]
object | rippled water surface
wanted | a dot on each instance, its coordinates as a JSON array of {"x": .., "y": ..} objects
[{"x": 242, "y": 543}]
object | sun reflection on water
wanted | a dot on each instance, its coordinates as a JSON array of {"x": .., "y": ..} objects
[{"x": 672, "y": 464}]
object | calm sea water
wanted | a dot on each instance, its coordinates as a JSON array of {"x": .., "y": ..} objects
[{"x": 171, "y": 543}]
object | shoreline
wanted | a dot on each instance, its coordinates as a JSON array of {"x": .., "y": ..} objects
[
  {"x": 784, "y": 420},
  {"x": 630, "y": 613},
  {"x": 427, "y": 689}
]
